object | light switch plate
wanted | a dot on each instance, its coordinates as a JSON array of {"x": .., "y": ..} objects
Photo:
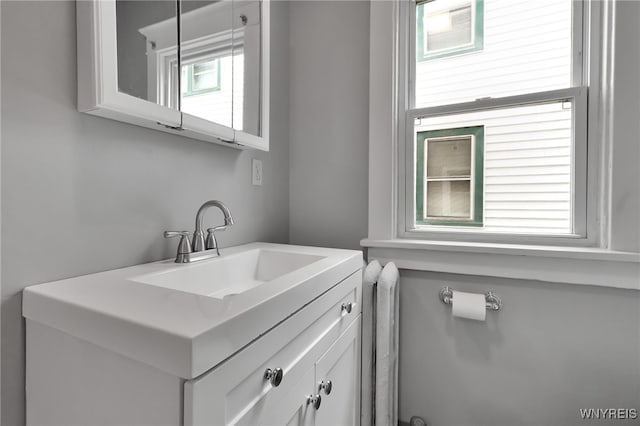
[{"x": 256, "y": 172}]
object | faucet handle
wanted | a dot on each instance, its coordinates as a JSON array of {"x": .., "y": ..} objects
[
  {"x": 171, "y": 234},
  {"x": 217, "y": 228},
  {"x": 211, "y": 242},
  {"x": 184, "y": 247}
]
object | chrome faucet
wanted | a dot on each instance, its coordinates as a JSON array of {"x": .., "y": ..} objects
[
  {"x": 186, "y": 250},
  {"x": 199, "y": 243}
]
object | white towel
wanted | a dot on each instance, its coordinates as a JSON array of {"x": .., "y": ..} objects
[
  {"x": 369, "y": 280},
  {"x": 387, "y": 310}
]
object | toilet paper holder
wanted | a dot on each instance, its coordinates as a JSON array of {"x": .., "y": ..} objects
[{"x": 493, "y": 302}]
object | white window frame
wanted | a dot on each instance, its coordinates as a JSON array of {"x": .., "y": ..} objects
[{"x": 585, "y": 95}]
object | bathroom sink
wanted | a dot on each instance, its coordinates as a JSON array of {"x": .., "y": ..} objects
[
  {"x": 186, "y": 318},
  {"x": 227, "y": 276}
]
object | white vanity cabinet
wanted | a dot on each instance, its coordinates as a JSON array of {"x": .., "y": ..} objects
[
  {"x": 111, "y": 349},
  {"x": 326, "y": 347}
]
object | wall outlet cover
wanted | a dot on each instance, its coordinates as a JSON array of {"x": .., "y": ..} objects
[{"x": 256, "y": 172}]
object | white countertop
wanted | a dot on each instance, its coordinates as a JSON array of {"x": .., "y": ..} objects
[{"x": 181, "y": 333}]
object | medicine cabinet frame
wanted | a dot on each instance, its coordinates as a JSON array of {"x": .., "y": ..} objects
[{"x": 98, "y": 92}]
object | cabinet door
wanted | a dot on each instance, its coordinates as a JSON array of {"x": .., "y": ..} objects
[
  {"x": 207, "y": 67},
  {"x": 224, "y": 57},
  {"x": 236, "y": 392},
  {"x": 251, "y": 80},
  {"x": 291, "y": 409},
  {"x": 117, "y": 75},
  {"x": 340, "y": 365},
  {"x": 281, "y": 408}
]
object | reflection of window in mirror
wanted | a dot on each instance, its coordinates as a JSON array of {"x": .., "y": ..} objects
[
  {"x": 211, "y": 62},
  {"x": 201, "y": 77},
  {"x": 208, "y": 86}
]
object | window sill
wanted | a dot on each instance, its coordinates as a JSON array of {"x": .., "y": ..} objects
[{"x": 571, "y": 265}]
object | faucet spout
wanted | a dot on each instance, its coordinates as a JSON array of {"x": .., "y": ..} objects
[{"x": 198, "y": 235}]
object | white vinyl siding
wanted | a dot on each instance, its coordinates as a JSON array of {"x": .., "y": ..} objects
[
  {"x": 527, "y": 48},
  {"x": 527, "y": 165}
]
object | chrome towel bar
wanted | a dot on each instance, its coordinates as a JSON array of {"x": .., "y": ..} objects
[{"x": 494, "y": 303}]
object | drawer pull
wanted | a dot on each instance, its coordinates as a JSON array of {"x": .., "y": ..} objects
[
  {"x": 347, "y": 307},
  {"x": 274, "y": 376},
  {"x": 326, "y": 387},
  {"x": 315, "y": 401}
]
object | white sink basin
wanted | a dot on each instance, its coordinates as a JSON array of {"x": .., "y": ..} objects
[
  {"x": 186, "y": 318},
  {"x": 230, "y": 275}
]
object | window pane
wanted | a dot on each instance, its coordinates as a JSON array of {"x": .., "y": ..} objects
[
  {"x": 447, "y": 29},
  {"x": 205, "y": 76},
  {"x": 526, "y": 47},
  {"x": 204, "y": 81},
  {"x": 203, "y": 67},
  {"x": 449, "y": 157},
  {"x": 448, "y": 199},
  {"x": 528, "y": 161}
]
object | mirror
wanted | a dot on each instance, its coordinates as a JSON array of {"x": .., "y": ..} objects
[
  {"x": 207, "y": 65},
  {"x": 247, "y": 63},
  {"x": 145, "y": 28},
  {"x": 195, "y": 68}
]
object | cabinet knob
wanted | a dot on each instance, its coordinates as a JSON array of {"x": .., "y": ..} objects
[
  {"x": 347, "y": 307},
  {"x": 315, "y": 401},
  {"x": 274, "y": 376},
  {"x": 326, "y": 387}
]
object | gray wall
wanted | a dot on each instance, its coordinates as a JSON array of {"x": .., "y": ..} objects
[
  {"x": 329, "y": 65},
  {"x": 551, "y": 350},
  {"x": 554, "y": 348},
  {"x": 82, "y": 194},
  {"x": 625, "y": 191}
]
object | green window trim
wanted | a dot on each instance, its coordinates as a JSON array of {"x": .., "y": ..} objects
[
  {"x": 191, "y": 92},
  {"x": 478, "y": 34},
  {"x": 478, "y": 176}
]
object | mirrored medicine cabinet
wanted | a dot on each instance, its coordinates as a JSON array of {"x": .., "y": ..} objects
[{"x": 196, "y": 68}]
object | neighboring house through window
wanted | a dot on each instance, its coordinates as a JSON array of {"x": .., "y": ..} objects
[
  {"x": 449, "y": 176},
  {"x": 201, "y": 77},
  {"x": 496, "y": 121},
  {"x": 449, "y": 27}
]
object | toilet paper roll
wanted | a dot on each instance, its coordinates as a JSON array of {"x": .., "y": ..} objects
[{"x": 469, "y": 305}]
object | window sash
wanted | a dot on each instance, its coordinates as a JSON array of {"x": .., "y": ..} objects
[
  {"x": 578, "y": 96},
  {"x": 407, "y": 45}
]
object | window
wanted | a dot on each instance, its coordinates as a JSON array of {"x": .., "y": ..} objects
[
  {"x": 201, "y": 77},
  {"x": 449, "y": 177},
  {"x": 495, "y": 141},
  {"x": 449, "y": 27}
]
